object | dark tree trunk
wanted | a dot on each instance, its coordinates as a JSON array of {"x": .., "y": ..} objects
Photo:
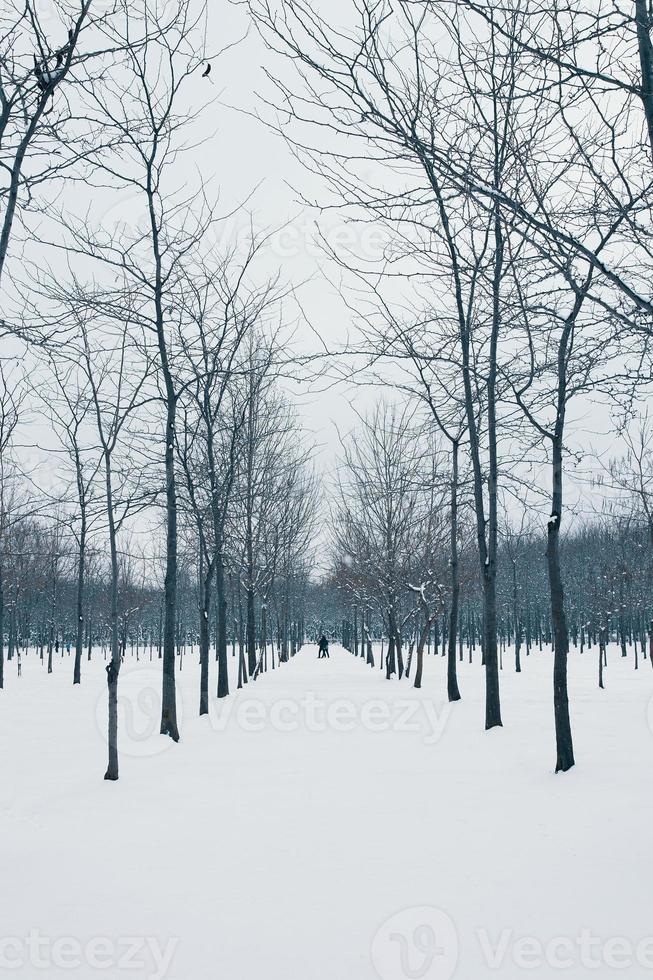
[
  {"x": 112, "y": 688},
  {"x": 251, "y": 625},
  {"x": 453, "y": 691},
  {"x": 390, "y": 668},
  {"x": 492, "y": 698},
  {"x": 421, "y": 643},
  {"x": 242, "y": 663},
  {"x": 564, "y": 744},
  {"x": 169, "y": 693},
  {"x": 221, "y": 604},
  {"x": 79, "y": 642},
  {"x": 81, "y": 566},
  {"x": 168, "y": 690},
  {"x": 205, "y": 613},
  {"x": 264, "y": 633},
  {"x": 490, "y": 651},
  {"x": 113, "y": 668},
  {"x": 486, "y": 531},
  {"x": 13, "y": 628},
  {"x": 355, "y": 630},
  {"x": 646, "y": 62},
  {"x": 516, "y": 621},
  {"x": 284, "y": 626},
  {"x": 400, "y": 658}
]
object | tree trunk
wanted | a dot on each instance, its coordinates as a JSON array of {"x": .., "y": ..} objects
[
  {"x": 490, "y": 651},
  {"x": 79, "y": 642},
  {"x": 113, "y": 668},
  {"x": 221, "y": 608},
  {"x": 355, "y": 611},
  {"x": 453, "y": 691},
  {"x": 565, "y": 752},
  {"x": 264, "y": 633},
  {"x": 515, "y": 616},
  {"x": 169, "y": 694},
  {"x": 390, "y": 668},
  {"x": 646, "y": 63},
  {"x": 492, "y": 699},
  {"x": 205, "y": 609},
  {"x": 251, "y": 624},
  {"x": 421, "y": 643},
  {"x": 400, "y": 658},
  {"x": 11, "y": 644},
  {"x": 486, "y": 531}
]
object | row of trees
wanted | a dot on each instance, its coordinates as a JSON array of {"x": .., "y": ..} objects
[
  {"x": 404, "y": 563},
  {"x": 506, "y": 150},
  {"x": 82, "y": 558},
  {"x": 155, "y": 364},
  {"x": 40, "y": 602}
]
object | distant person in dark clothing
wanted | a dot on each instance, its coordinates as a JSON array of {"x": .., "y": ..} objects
[{"x": 323, "y": 647}]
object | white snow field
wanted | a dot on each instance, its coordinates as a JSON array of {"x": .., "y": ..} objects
[{"x": 327, "y": 825}]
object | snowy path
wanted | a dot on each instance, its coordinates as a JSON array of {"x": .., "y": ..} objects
[{"x": 275, "y": 842}]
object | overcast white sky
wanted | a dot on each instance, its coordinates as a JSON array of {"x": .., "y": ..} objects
[{"x": 244, "y": 154}]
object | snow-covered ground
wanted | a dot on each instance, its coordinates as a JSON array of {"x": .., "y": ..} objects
[{"x": 327, "y": 825}]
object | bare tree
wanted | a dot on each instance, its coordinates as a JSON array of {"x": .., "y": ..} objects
[
  {"x": 116, "y": 393},
  {"x": 223, "y": 309},
  {"x": 382, "y": 515},
  {"x": 163, "y": 49}
]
